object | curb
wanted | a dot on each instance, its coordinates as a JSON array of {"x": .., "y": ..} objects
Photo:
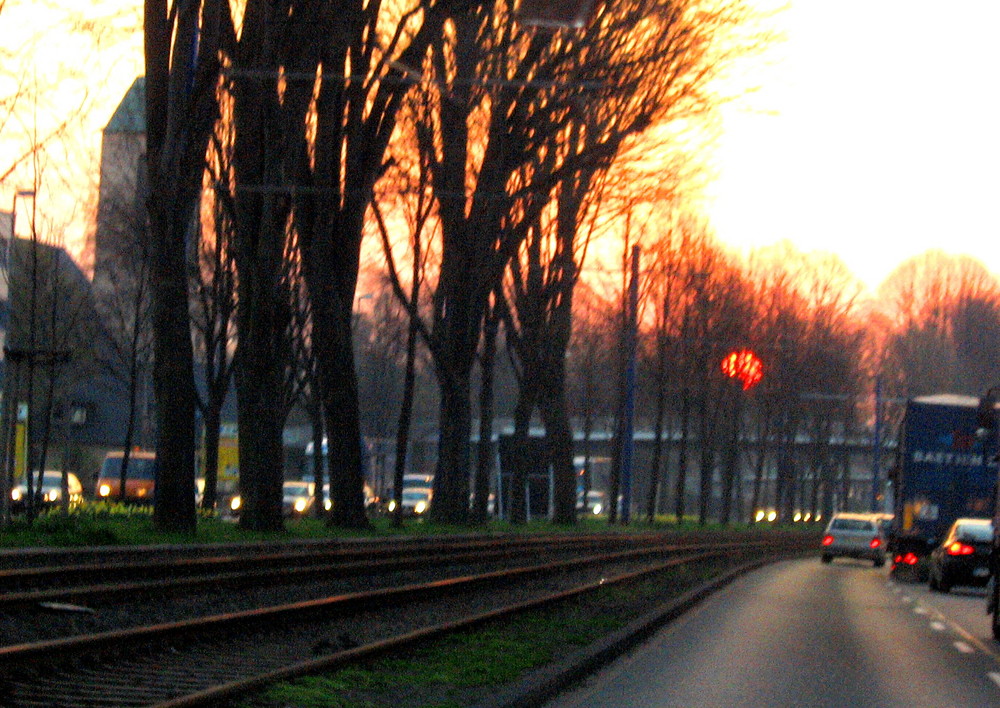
[{"x": 545, "y": 684}]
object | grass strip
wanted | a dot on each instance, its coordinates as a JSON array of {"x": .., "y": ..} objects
[{"x": 465, "y": 668}]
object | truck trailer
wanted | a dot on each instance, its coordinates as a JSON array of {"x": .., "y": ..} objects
[{"x": 943, "y": 471}]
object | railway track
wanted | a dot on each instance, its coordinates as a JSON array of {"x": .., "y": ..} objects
[
  {"x": 96, "y": 585},
  {"x": 198, "y": 660}
]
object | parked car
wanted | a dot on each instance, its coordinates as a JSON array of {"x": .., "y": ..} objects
[
  {"x": 140, "y": 480},
  {"x": 416, "y": 501},
  {"x": 48, "y": 491},
  {"x": 370, "y": 499},
  {"x": 854, "y": 536},
  {"x": 227, "y": 497},
  {"x": 594, "y": 503},
  {"x": 963, "y": 556},
  {"x": 298, "y": 497}
]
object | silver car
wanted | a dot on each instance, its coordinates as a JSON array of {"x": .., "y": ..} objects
[{"x": 854, "y": 536}]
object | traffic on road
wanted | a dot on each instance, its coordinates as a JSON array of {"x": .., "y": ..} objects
[{"x": 806, "y": 633}]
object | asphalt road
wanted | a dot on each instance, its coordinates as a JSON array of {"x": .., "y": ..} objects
[{"x": 801, "y": 633}]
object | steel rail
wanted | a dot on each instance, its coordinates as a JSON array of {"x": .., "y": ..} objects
[
  {"x": 109, "y": 592},
  {"x": 39, "y": 657},
  {"x": 233, "y": 689},
  {"x": 57, "y": 649},
  {"x": 124, "y": 566}
]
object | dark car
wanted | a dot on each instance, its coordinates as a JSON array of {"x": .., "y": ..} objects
[{"x": 963, "y": 556}]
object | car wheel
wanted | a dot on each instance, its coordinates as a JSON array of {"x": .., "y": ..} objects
[
  {"x": 932, "y": 581},
  {"x": 942, "y": 584},
  {"x": 826, "y": 558},
  {"x": 996, "y": 609},
  {"x": 878, "y": 562}
]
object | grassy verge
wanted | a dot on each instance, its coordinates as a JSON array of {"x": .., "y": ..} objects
[
  {"x": 465, "y": 668},
  {"x": 102, "y": 524}
]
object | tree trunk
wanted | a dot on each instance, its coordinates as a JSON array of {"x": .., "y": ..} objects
[
  {"x": 680, "y": 493},
  {"x": 517, "y": 509},
  {"x": 484, "y": 452},
  {"x": 403, "y": 427},
  {"x": 560, "y": 445},
  {"x": 731, "y": 467},
  {"x": 213, "y": 419},
  {"x": 319, "y": 461},
  {"x": 451, "y": 482},
  {"x": 332, "y": 338},
  {"x": 654, "y": 465},
  {"x": 173, "y": 380},
  {"x": 259, "y": 383}
]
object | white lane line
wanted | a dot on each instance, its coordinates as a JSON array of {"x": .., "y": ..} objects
[
  {"x": 938, "y": 626},
  {"x": 907, "y": 598},
  {"x": 920, "y": 610},
  {"x": 994, "y": 677},
  {"x": 963, "y": 647}
]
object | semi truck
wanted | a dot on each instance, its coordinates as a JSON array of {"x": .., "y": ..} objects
[{"x": 944, "y": 471}]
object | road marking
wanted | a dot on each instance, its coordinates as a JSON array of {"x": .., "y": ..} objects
[
  {"x": 938, "y": 626},
  {"x": 907, "y": 598},
  {"x": 963, "y": 647},
  {"x": 994, "y": 677},
  {"x": 920, "y": 610},
  {"x": 971, "y": 639}
]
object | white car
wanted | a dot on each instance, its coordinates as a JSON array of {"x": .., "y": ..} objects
[
  {"x": 48, "y": 491},
  {"x": 416, "y": 501},
  {"x": 298, "y": 497},
  {"x": 854, "y": 536}
]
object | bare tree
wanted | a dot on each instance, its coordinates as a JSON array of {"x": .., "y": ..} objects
[
  {"x": 939, "y": 310},
  {"x": 182, "y": 50},
  {"x": 214, "y": 302},
  {"x": 506, "y": 99}
]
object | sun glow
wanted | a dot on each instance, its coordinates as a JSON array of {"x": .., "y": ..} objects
[
  {"x": 873, "y": 135},
  {"x": 869, "y": 131}
]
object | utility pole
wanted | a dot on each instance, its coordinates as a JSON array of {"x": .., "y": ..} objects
[
  {"x": 628, "y": 405},
  {"x": 877, "y": 444}
]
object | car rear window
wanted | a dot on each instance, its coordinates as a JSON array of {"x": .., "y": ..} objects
[
  {"x": 977, "y": 532},
  {"x": 138, "y": 468},
  {"x": 851, "y": 525}
]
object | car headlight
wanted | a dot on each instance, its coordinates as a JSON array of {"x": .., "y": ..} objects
[
  {"x": 51, "y": 496},
  {"x": 598, "y": 509},
  {"x": 327, "y": 504},
  {"x": 105, "y": 490},
  {"x": 15, "y": 494},
  {"x": 235, "y": 503},
  {"x": 392, "y": 505},
  {"x": 300, "y": 505},
  {"x": 420, "y": 508}
]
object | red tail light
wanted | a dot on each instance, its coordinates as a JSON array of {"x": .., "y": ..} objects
[
  {"x": 960, "y": 549},
  {"x": 876, "y": 542},
  {"x": 828, "y": 540},
  {"x": 910, "y": 559}
]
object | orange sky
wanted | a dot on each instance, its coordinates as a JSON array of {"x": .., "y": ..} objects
[{"x": 874, "y": 133}]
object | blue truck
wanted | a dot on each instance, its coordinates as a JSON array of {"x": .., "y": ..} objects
[{"x": 943, "y": 471}]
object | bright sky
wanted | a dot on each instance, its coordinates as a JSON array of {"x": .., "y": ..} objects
[
  {"x": 883, "y": 137},
  {"x": 875, "y": 134}
]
